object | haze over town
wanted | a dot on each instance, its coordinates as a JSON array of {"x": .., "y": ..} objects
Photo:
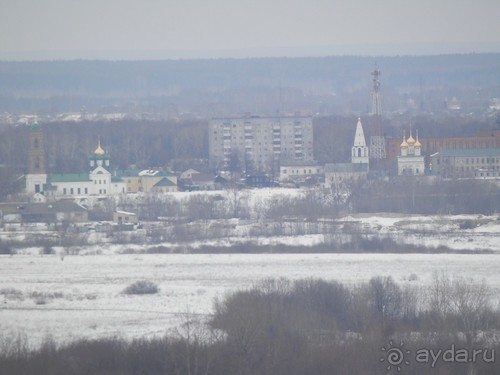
[
  {"x": 153, "y": 29},
  {"x": 249, "y": 187}
]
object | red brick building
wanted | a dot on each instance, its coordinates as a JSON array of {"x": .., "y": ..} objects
[{"x": 433, "y": 145}]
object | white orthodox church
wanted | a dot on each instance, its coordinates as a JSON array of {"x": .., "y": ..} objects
[
  {"x": 98, "y": 181},
  {"x": 339, "y": 173},
  {"x": 411, "y": 161}
]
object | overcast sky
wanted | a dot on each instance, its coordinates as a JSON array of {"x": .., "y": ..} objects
[{"x": 124, "y": 29}]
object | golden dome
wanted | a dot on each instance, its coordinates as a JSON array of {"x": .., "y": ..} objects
[
  {"x": 99, "y": 150},
  {"x": 417, "y": 143},
  {"x": 404, "y": 144},
  {"x": 410, "y": 140}
]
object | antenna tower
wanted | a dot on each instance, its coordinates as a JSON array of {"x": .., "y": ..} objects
[
  {"x": 377, "y": 141},
  {"x": 376, "y": 109}
]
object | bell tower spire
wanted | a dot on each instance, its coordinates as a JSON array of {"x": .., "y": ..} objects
[
  {"x": 37, "y": 175},
  {"x": 359, "y": 150}
]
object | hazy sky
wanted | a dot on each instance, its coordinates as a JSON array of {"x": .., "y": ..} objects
[{"x": 121, "y": 29}]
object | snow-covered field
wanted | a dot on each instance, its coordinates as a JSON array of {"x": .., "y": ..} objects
[
  {"x": 80, "y": 296},
  {"x": 433, "y": 231}
]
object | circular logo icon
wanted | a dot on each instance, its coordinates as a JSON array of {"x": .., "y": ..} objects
[{"x": 395, "y": 356}]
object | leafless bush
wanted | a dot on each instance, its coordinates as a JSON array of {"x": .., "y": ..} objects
[
  {"x": 465, "y": 299},
  {"x": 11, "y": 294},
  {"x": 141, "y": 287}
]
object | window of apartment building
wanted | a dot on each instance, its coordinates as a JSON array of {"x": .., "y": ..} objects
[
  {"x": 71, "y": 191},
  {"x": 64, "y": 191},
  {"x": 86, "y": 190},
  {"x": 78, "y": 190}
]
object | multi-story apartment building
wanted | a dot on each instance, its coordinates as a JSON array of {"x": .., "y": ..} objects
[{"x": 259, "y": 144}]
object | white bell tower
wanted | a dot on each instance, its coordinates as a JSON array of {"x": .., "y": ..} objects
[{"x": 359, "y": 152}]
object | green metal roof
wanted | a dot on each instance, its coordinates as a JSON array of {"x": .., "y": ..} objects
[
  {"x": 69, "y": 177},
  {"x": 472, "y": 152},
  {"x": 49, "y": 187},
  {"x": 164, "y": 182}
]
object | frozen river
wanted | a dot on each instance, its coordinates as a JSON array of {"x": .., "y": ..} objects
[{"x": 80, "y": 296}]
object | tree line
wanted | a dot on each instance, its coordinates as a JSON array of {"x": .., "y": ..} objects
[
  {"x": 309, "y": 326},
  {"x": 159, "y": 143}
]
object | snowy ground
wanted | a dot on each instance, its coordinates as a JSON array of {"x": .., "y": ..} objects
[
  {"x": 435, "y": 230},
  {"x": 80, "y": 296},
  {"x": 467, "y": 233}
]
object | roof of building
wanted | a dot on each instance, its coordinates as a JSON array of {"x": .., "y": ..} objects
[
  {"x": 164, "y": 182},
  {"x": 49, "y": 187},
  {"x": 404, "y": 144},
  {"x": 143, "y": 173},
  {"x": 201, "y": 178},
  {"x": 346, "y": 168},
  {"x": 126, "y": 213},
  {"x": 471, "y": 152},
  {"x": 300, "y": 163},
  {"x": 69, "y": 177},
  {"x": 99, "y": 150},
  {"x": 359, "y": 138},
  {"x": 417, "y": 142}
]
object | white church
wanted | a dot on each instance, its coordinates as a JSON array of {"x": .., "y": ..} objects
[
  {"x": 340, "y": 173},
  {"x": 411, "y": 161},
  {"x": 97, "y": 182}
]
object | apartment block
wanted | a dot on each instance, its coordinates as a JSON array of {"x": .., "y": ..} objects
[{"x": 259, "y": 144}]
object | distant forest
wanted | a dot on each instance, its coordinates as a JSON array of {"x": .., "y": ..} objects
[{"x": 319, "y": 85}]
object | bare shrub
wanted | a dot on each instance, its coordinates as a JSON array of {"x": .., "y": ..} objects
[
  {"x": 468, "y": 224},
  {"x": 465, "y": 299},
  {"x": 11, "y": 293},
  {"x": 141, "y": 287},
  {"x": 42, "y": 298},
  {"x": 47, "y": 250}
]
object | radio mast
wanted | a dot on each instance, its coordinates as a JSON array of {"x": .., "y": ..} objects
[{"x": 377, "y": 141}]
